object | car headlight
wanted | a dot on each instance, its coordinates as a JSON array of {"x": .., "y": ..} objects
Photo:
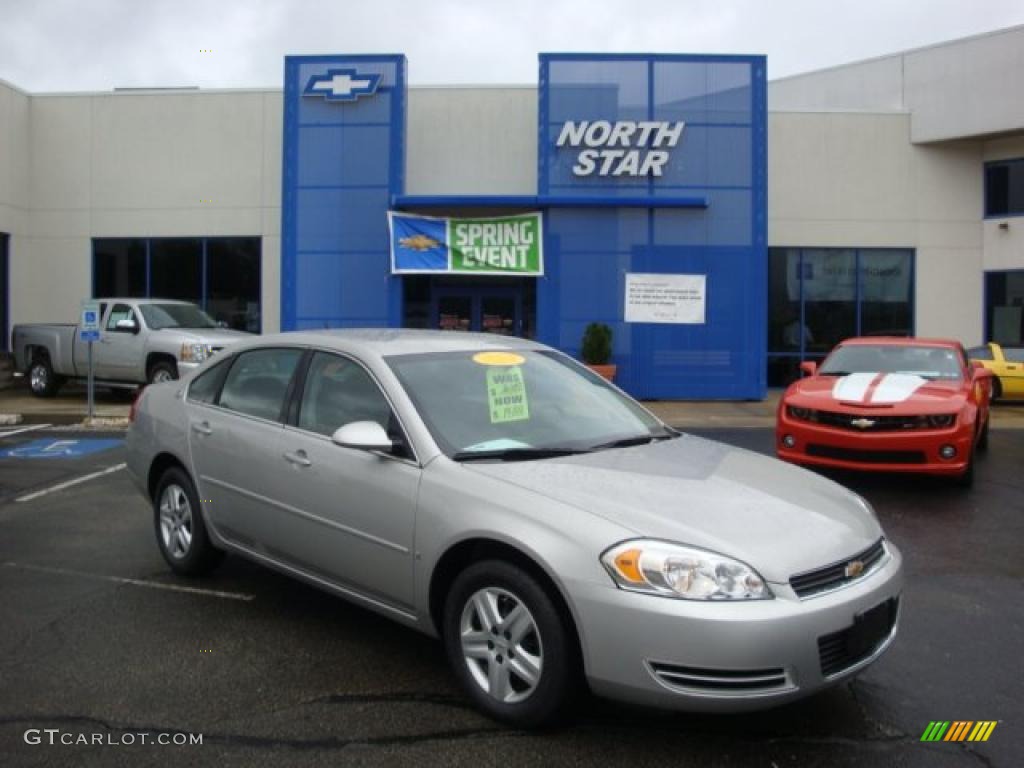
[
  {"x": 194, "y": 353},
  {"x": 673, "y": 570}
]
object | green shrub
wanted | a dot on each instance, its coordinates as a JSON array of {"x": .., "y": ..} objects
[{"x": 597, "y": 344}]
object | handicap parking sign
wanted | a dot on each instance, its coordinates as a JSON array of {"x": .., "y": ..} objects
[{"x": 50, "y": 448}]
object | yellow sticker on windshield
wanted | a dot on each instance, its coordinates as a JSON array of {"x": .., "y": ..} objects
[
  {"x": 506, "y": 394},
  {"x": 498, "y": 358}
]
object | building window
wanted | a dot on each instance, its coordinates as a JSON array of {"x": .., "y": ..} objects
[
  {"x": 819, "y": 296},
  {"x": 220, "y": 274},
  {"x": 1004, "y": 307},
  {"x": 1004, "y": 188}
]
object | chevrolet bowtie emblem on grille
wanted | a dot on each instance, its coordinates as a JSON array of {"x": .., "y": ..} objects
[
  {"x": 853, "y": 569},
  {"x": 862, "y": 423}
]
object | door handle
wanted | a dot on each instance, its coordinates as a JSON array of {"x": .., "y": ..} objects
[
  {"x": 299, "y": 458},
  {"x": 202, "y": 428}
]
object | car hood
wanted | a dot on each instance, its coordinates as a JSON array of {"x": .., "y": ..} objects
[
  {"x": 875, "y": 390},
  {"x": 220, "y": 337},
  {"x": 778, "y": 518}
]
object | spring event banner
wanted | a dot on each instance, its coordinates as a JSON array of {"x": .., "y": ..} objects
[{"x": 503, "y": 245}]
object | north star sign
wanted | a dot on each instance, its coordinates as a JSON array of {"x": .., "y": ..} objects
[{"x": 622, "y": 148}]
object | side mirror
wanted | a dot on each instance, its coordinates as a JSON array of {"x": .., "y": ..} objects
[
  {"x": 363, "y": 436},
  {"x": 976, "y": 364},
  {"x": 981, "y": 373},
  {"x": 221, "y": 324},
  {"x": 808, "y": 367},
  {"x": 127, "y": 324}
]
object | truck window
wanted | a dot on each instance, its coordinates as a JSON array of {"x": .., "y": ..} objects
[{"x": 118, "y": 313}]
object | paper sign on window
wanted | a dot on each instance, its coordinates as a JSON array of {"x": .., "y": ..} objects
[{"x": 506, "y": 394}]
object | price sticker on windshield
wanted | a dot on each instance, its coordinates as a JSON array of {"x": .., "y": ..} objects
[{"x": 506, "y": 394}]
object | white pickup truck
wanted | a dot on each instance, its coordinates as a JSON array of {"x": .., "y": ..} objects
[{"x": 141, "y": 341}]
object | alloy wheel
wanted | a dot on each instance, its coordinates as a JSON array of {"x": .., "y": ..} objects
[
  {"x": 501, "y": 645},
  {"x": 175, "y": 521}
]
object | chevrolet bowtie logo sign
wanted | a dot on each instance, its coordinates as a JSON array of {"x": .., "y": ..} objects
[
  {"x": 342, "y": 85},
  {"x": 863, "y": 423}
]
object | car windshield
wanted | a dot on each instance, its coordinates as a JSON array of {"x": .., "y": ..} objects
[
  {"x": 522, "y": 404},
  {"x": 159, "y": 316},
  {"x": 928, "y": 362}
]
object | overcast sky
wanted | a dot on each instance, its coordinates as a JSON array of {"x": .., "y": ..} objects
[{"x": 70, "y": 45}]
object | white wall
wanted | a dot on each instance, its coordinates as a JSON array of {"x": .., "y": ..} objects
[
  {"x": 965, "y": 88},
  {"x": 14, "y": 166},
  {"x": 465, "y": 141},
  {"x": 846, "y": 179},
  {"x": 155, "y": 164}
]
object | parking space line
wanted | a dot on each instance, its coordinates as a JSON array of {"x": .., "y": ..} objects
[
  {"x": 69, "y": 483},
  {"x": 134, "y": 582},
  {"x": 22, "y": 429}
]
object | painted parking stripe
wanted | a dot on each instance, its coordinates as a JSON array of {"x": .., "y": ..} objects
[
  {"x": 134, "y": 582},
  {"x": 11, "y": 432},
  {"x": 69, "y": 483}
]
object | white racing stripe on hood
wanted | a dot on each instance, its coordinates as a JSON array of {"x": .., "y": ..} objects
[
  {"x": 897, "y": 387},
  {"x": 854, "y": 387}
]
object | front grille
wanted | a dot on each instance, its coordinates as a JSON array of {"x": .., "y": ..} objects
[
  {"x": 869, "y": 422},
  {"x": 843, "y": 649},
  {"x": 719, "y": 680},
  {"x": 832, "y": 576},
  {"x": 865, "y": 457}
]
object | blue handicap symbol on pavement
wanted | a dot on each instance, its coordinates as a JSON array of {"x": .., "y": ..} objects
[{"x": 56, "y": 448}]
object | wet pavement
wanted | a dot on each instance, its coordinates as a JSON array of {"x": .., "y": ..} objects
[{"x": 99, "y": 638}]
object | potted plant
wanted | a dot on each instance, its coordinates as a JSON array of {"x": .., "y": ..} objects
[{"x": 597, "y": 350}]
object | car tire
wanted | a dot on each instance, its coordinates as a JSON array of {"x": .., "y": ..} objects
[
  {"x": 966, "y": 478},
  {"x": 983, "y": 437},
  {"x": 161, "y": 371},
  {"x": 503, "y": 632},
  {"x": 42, "y": 381},
  {"x": 997, "y": 388},
  {"x": 180, "y": 531}
]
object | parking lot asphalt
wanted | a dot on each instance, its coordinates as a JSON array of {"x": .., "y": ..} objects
[{"x": 98, "y": 637}]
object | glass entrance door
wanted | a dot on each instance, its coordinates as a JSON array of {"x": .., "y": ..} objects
[{"x": 479, "y": 308}]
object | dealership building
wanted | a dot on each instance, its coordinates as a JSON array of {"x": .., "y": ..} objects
[{"x": 725, "y": 227}]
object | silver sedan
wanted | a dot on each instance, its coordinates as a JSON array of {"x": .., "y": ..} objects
[{"x": 497, "y": 494}]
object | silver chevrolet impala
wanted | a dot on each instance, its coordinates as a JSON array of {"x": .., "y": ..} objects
[{"x": 495, "y": 493}]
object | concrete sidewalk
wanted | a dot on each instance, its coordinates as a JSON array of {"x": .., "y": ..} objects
[{"x": 69, "y": 408}]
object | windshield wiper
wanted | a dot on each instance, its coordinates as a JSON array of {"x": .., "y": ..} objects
[
  {"x": 516, "y": 454},
  {"x": 626, "y": 442},
  {"x": 834, "y": 373}
]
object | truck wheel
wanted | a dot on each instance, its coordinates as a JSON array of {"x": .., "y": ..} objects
[
  {"x": 162, "y": 371},
  {"x": 41, "y": 379}
]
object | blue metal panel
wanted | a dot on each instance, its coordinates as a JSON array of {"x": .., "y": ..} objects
[
  {"x": 544, "y": 201},
  {"x": 721, "y": 160},
  {"x": 343, "y": 160}
]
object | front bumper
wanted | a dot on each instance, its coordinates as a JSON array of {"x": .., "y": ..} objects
[
  {"x": 767, "y": 651},
  {"x": 914, "y": 451}
]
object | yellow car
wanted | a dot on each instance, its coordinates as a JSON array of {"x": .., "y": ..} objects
[{"x": 1007, "y": 363}]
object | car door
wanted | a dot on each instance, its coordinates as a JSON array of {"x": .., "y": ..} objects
[
  {"x": 119, "y": 353},
  {"x": 350, "y": 513},
  {"x": 234, "y": 430},
  {"x": 1013, "y": 368}
]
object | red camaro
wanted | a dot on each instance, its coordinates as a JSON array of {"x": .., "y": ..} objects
[{"x": 890, "y": 404}]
